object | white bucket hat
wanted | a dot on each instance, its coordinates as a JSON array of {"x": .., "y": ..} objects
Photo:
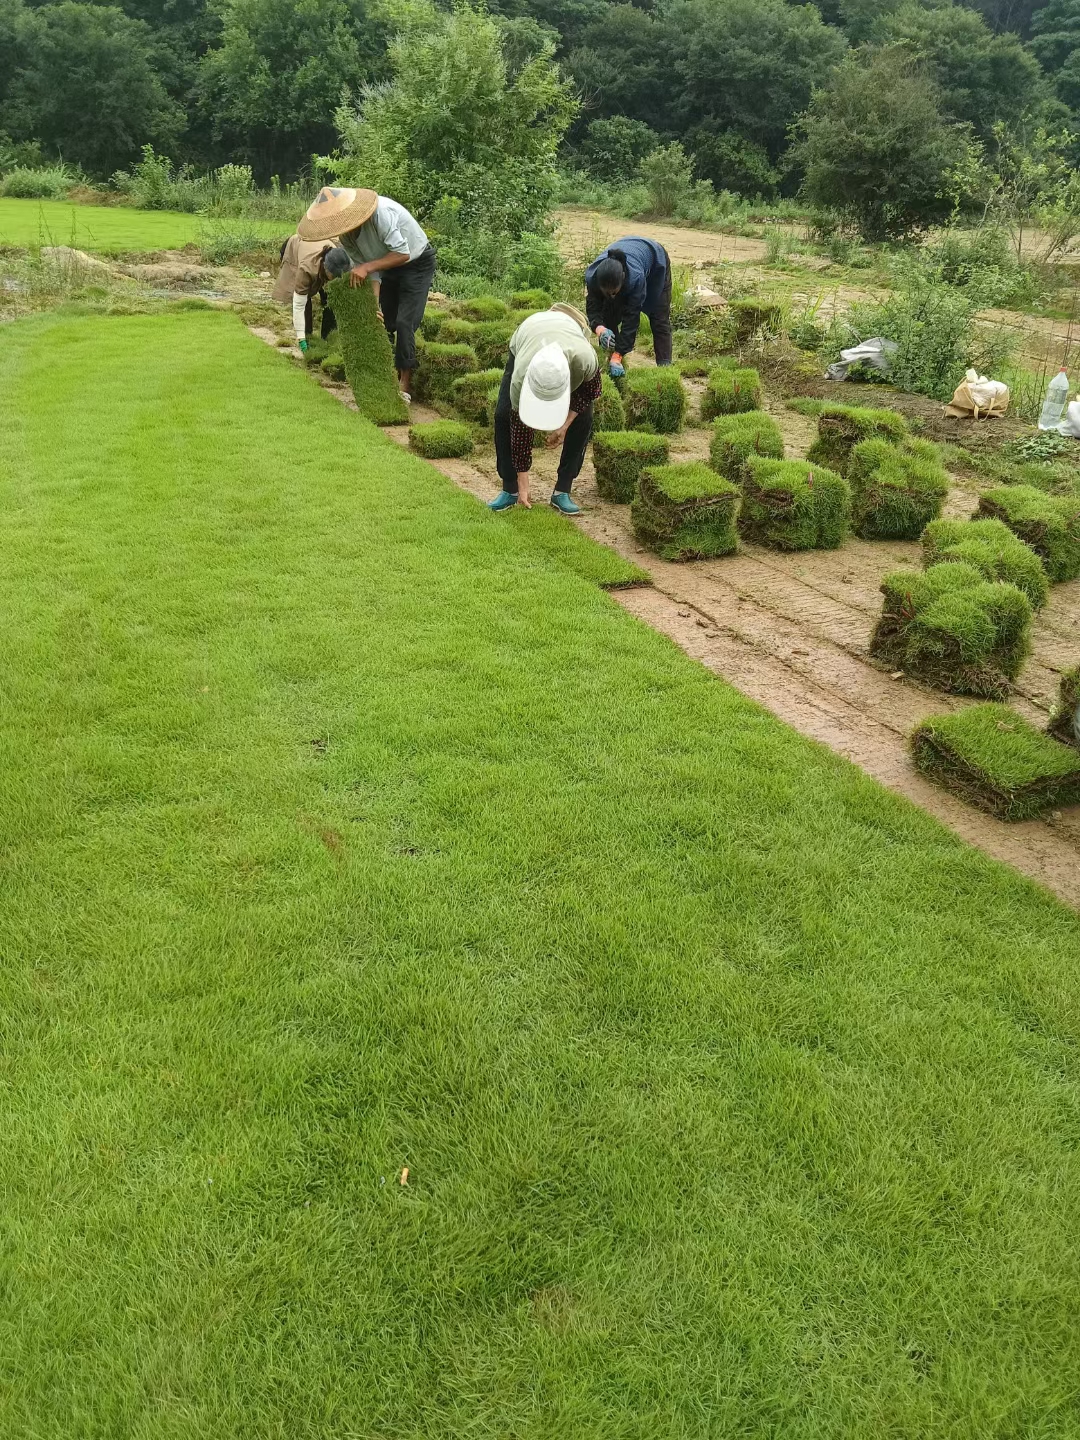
[{"x": 545, "y": 394}]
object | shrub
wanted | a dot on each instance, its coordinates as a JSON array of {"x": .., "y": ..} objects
[
  {"x": 895, "y": 491},
  {"x": 441, "y": 439},
  {"x": 792, "y": 505},
  {"x": 365, "y": 348},
  {"x": 686, "y": 512},
  {"x": 655, "y": 400},
  {"x": 1065, "y": 716},
  {"x": 842, "y": 427},
  {"x": 730, "y": 392},
  {"x": 440, "y": 365},
  {"x": 736, "y": 437},
  {"x": 46, "y": 182},
  {"x": 619, "y": 456},
  {"x": 470, "y": 395},
  {"x": 992, "y": 549},
  {"x": 609, "y": 412},
  {"x": 531, "y": 300},
  {"x": 1050, "y": 524},
  {"x": 954, "y": 629},
  {"x": 484, "y": 307},
  {"x": 993, "y": 758},
  {"x": 753, "y": 317}
]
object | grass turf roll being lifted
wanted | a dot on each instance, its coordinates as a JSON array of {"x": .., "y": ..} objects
[
  {"x": 792, "y": 505},
  {"x": 1050, "y": 524},
  {"x": 619, "y": 456},
  {"x": 655, "y": 399},
  {"x": 1065, "y": 716},
  {"x": 441, "y": 439},
  {"x": 995, "y": 759},
  {"x": 736, "y": 437},
  {"x": 365, "y": 348},
  {"x": 895, "y": 491},
  {"x": 730, "y": 391},
  {"x": 954, "y": 629},
  {"x": 686, "y": 512},
  {"x": 992, "y": 549},
  {"x": 842, "y": 427},
  {"x": 471, "y": 395}
]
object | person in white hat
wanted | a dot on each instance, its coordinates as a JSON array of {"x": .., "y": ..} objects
[
  {"x": 382, "y": 239},
  {"x": 551, "y": 381}
]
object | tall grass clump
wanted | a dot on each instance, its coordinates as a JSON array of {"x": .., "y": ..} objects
[{"x": 45, "y": 182}]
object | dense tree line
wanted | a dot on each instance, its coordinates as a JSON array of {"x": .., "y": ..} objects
[{"x": 759, "y": 92}]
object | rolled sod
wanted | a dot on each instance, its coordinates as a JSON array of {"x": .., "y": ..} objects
[
  {"x": 453, "y": 330},
  {"x": 433, "y": 322},
  {"x": 753, "y": 316},
  {"x": 655, "y": 399},
  {"x": 793, "y": 505},
  {"x": 530, "y": 300},
  {"x": 470, "y": 395},
  {"x": 365, "y": 348},
  {"x": 736, "y": 437},
  {"x": 895, "y": 491},
  {"x": 484, "y": 307},
  {"x": 491, "y": 341},
  {"x": 441, "y": 439},
  {"x": 686, "y": 512},
  {"x": 609, "y": 412},
  {"x": 995, "y": 759},
  {"x": 730, "y": 392},
  {"x": 1065, "y": 716},
  {"x": 440, "y": 365},
  {"x": 994, "y": 551},
  {"x": 954, "y": 629},
  {"x": 619, "y": 456},
  {"x": 842, "y": 427},
  {"x": 1050, "y": 524}
]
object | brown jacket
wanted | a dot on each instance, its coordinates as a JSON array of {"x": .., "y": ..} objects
[{"x": 301, "y": 270}]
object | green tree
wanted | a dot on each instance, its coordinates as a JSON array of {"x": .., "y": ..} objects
[
  {"x": 876, "y": 146},
  {"x": 613, "y": 149},
  {"x": 622, "y": 64}
]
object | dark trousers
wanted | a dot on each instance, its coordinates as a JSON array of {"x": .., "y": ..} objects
[
  {"x": 329, "y": 322},
  {"x": 573, "y": 450},
  {"x": 403, "y": 298},
  {"x": 660, "y": 320}
]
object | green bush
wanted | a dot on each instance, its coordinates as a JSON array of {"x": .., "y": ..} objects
[
  {"x": 895, "y": 491},
  {"x": 440, "y": 365},
  {"x": 471, "y": 393},
  {"x": 842, "y": 427},
  {"x": 46, "y": 182},
  {"x": 609, "y": 412},
  {"x": 752, "y": 317},
  {"x": 482, "y": 308},
  {"x": 365, "y": 348},
  {"x": 619, "y": 456},
  {"x": 1065, "y": 717},
  {"x": 730, "y": 392},
  {"x": 954, "y": 629},
  {"x": 655, "y": 400},
  {"x": 686, "y": 512},
  {"x": 1050, "y": 524},
  {"x": 531, "y": 300},
  {"x": 992, "y": 549},
  {"x": 793, "y": 505},
  {"x": 441, "y": 439},
  {"x": 995, "y": 759},
  {"x": 736, "y": 437}
]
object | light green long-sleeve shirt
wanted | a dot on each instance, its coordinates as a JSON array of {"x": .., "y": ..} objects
[{"x": 550, "y": 327}]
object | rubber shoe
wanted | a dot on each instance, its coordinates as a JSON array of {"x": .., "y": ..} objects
[
  {"x": 503, "y": 501},
  {"x": 562, "y": 502},
  {"x": 406, "y": 397}
]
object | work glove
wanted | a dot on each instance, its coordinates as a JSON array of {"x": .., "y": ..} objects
[
  {"x": 606, "y": 338},
  {"x": 303, "y": 347},
  {"x": 616, "y": 369}
]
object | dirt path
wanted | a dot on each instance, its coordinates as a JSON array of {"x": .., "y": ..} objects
[{"x": 585, "y": 232}]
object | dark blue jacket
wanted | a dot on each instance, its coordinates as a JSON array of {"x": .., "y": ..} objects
[{"x": 646, "y": 265}]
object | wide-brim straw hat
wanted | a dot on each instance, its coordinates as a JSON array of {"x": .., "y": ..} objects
[
  {"x": 575, "y": 314},
  {"x": 335, "y": 211}
]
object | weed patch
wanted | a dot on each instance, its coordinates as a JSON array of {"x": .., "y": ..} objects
[
  {"x": 730, "y": 391},
  {"x": 735, "y": 438},
  {"x": 655, "y": 400},
  {"x": 793, "y": 505},
  {"x": 365, "y": 349},
  {"x": 895, "y": 492},
  {"x": 441, "y": 439},
  {"x": 686, "y": 512},
  {"x": 619, "y": 456},
  {"x": 992, "y": 549},
  {"x": 1050, "y": 524}
]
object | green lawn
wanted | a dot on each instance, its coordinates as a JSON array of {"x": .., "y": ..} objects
[
  {"x": 111, "y": 229},
  {"x": 343, "y": 829}
]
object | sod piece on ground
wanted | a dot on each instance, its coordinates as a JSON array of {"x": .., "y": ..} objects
[
  {"x": 730, "y": 392},
  {"x": 1065, "y": 716},
  {"x": 619, "y": 456},
  {"x": 441, "y": 439},
  {"x": 433, "y": 322},
  {"x": 954, "y": 629},
  {"x": 439, "y": 366},
  {"x": 842, "y": 427},
  {"x": 754, "y": 316},
  {"x": 453, "y": 330},
  {"x": 1050, "y": 524},
  {"x": 365, "y": 348},
  {"x": 530, "y": 300},
  {"x": 692, "y": 369},
  {"x": 895, "y": 491},
  {"x": 334, "y": 366},
  {"x": 793, "y": 505},
  {"x": 609, "y": 412},
  {"x": 484, "y": 307},
  {"x": 655, "y": 399},
  {"x": 995, "y": 759},
  {"x": 736, "y": 437},
  {"x": 994, "y": 551},
  {"x": 686, "y": 512},
  {"x": 491, "y": 341},
  {"x": 546, "y": 531},
  {"x": 470, "y": 394}
]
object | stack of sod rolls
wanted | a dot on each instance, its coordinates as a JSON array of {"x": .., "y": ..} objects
[
  {"x": 895, "y": 490},
  {"x": 736, "y": 438},
  {"x": 619, "y": 456},
  {"x": 842, "y": 427},
  {"x": 992, "y": 549},
  {"x": 686, "y": 512},
  {"x": 793, "y": 505}
]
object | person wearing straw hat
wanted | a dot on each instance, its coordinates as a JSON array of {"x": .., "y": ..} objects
[
  {"x": 306, "y": 266},
  {"x": 382, "y": 240},
  {"x": 551, "y": 382}
]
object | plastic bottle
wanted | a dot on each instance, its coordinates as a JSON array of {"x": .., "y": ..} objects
[{"x": 1056, "y": 398}]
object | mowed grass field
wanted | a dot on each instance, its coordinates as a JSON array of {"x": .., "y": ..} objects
[
  {"x": 111, "y": 229},
  {"x": 344, "y": 830}
]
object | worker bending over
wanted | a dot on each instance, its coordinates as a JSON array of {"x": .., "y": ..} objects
[
  {"x": 551, "y": 381},
  {"x": 630, "y": 279},
  {"x": 306, "y": 266},
  {"x": 381, "y": 239}
]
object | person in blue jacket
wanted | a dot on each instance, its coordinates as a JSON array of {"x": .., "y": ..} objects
[{"x": 630, "y": 279}]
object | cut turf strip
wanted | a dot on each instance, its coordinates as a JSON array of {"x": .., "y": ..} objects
[{"x": 344, "y": 833}]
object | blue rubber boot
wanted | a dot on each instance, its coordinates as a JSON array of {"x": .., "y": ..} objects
[
  {"x": 505, "y": 500},
  {"x": 562, "y": 502}
]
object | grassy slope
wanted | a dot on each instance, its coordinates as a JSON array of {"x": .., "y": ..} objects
[
  {"x": 109, "y": 228},
  {"x": 341, "y": 830}
]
